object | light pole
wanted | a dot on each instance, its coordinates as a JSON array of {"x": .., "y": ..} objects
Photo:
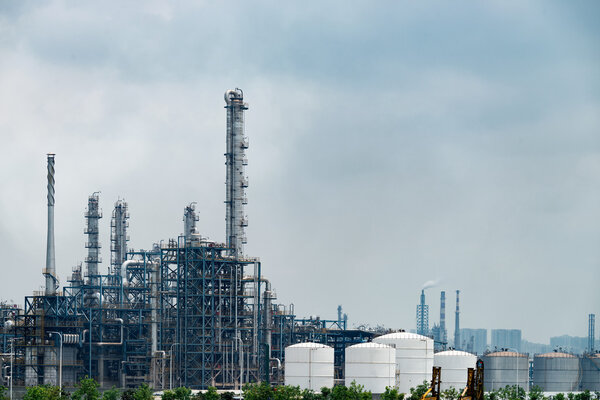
[
  {"x": 171, "y": 366},
  {"x": 59, "y": 358}
]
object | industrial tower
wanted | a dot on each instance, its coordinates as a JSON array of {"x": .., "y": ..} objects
[
  {"x": 457, "y": 344},
  {"x": 591, "y": 332},
  {"x": 118, "y": 236},
  {"x": 50, "y": 271},
  {"x": 93, "y": 215},
  {"x": 236, "y": 180},
  {"x": 423, "y": 316}
]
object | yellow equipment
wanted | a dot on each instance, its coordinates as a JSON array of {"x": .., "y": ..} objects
[
  {"x": 474, "y": 388},
  {"x": 433, "y": 393}
]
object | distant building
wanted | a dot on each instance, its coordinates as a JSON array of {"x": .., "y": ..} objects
[
  {"x": 506, "y": 339},
  {"x": 569, "y": 344},
  {"x": 535, "y": 348},
  {"x": 473, "y": 340}
]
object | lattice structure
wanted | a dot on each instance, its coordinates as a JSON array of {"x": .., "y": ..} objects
[{"x": 215, "y": 304}]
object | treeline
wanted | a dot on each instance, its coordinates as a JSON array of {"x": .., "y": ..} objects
[{"x": 88, "y": 389}]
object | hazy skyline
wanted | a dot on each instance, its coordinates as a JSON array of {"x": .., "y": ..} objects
[{"x": 390, "y": 145}]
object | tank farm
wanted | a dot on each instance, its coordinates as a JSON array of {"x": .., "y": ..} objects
[{"x": 189, "y": 311}]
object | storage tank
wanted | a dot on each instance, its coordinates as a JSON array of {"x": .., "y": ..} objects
[
  {"x": 454, "y": 366},
  {"x": 505, "y": 368},
  {"x": 590, "y": 377},
  {"x": 556, "y": 372},
  {"x": 372, "y": 365},
  {"x": 414, "y": 358},
  {"x": 309, "y": 365}
]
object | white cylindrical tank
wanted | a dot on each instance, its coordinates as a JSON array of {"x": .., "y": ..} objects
[
  {"x": 372, "y": 365},
  {"x": 454, "y": 366},
  {"x": 556, "y": 372},
  {"x": 505, "y": 368},
  {"x": 414, "y": 358},
  {"x": 309, "y": 365}
]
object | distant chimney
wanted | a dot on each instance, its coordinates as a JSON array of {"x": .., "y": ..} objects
[
  {"x": 50, "y": 270},
  {"x": 457, "y": 345},
  {"x": 443, "y": 332},
  {"x": 591, "y": 332}
]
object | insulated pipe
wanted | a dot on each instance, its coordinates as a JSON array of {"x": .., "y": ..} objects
[
  {"x": 50, "y": 272},
  {"x": 113, "y": 343}
]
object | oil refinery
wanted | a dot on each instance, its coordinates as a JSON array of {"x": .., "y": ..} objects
[{"x": 193, "y": 312}]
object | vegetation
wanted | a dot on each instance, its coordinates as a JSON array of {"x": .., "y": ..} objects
[
  {"x": 45, "y": 392},
  {"x": 88, "y": 389},
  {"x": 3, "y": 395}
]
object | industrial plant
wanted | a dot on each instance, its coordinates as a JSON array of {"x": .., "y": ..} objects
[{"x": 194, "y": 312}]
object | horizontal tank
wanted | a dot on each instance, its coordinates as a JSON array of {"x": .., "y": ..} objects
[
  {"x": 556, "y": 372},
  {"x": 309, "y": 365},
  {"x": 372, "y": 365},
  {"x": 590, "y": 377},
  {"x": 505, "y": 368},
  {"x": 454, "y": 366},
  {"x": 414, "y": 358}
]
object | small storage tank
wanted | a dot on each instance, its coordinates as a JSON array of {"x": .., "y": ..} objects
[
  {"x": 372, "y": 365},
  {"x": 556, "y": 372},
  {"x": 414, "y": 358},
  {"x": 590, "y": 377},
  {"x": 309, "y": 365},
  {"x": 504, "y": 368},
  {"x": 454, "y": 366}
]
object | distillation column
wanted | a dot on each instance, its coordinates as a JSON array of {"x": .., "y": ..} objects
[
  {"x": 189, "y": 221},
  {"x": 118, "y": 236},
  {"x": 93, "y": 215},
  {"x": 50, "y": 271},
  {"x": 236, "y": 181}
]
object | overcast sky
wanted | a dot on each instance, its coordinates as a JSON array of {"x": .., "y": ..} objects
[{"x": 391, "y": 143}]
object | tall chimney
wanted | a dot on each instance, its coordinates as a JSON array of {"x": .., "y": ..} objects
[
  {"x": 443, "y": 332},
  {"x": 457, "y": 323},
  {"x": 591, "y": 332},
  {"x": 50, "y": 271}
]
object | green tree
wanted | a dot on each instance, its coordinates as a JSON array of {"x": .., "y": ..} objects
[
  {"x": 450, "y": 394},
  {"x": 586, "y": 395},
  {"x": 536, "y": 393},
  {"x": 45, "y": 392},
  {"x": 226, "y": 396},
  {"x": 310, "y": 395},
  {"x": 143, "y": 393},
  {"x": 168, "y": 395},
  {"x": 417, "y": 392},
  {"x": 339, "y": 393},
  {"x": 128, "y": 394},
  {"x": 111, "y": 394},
  {"x": 182, "y": 393},
  {"x": 559, "y": 396},
  {"x": 211, "y": 394},
  {"x": 357, "y": 392},
  {"x": 87, "y": 389},
  {"x": 286, "y": 392},
  {"x": 391, "y": 393},
  {"x": 3, "y": 395},
  {"x": 493, "y": 395},
  {"x": 257, "y": 391}
]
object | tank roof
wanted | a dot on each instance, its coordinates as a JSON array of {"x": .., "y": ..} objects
[
  {"x": 370, "y": 345},
  {"x": 556, "y": 355},
  {"x": 310, "y": 345},
  {"x": 454, "y": 353},
  {"x": 505, "y": 354},
  {"x": 403, "y": 335}
]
